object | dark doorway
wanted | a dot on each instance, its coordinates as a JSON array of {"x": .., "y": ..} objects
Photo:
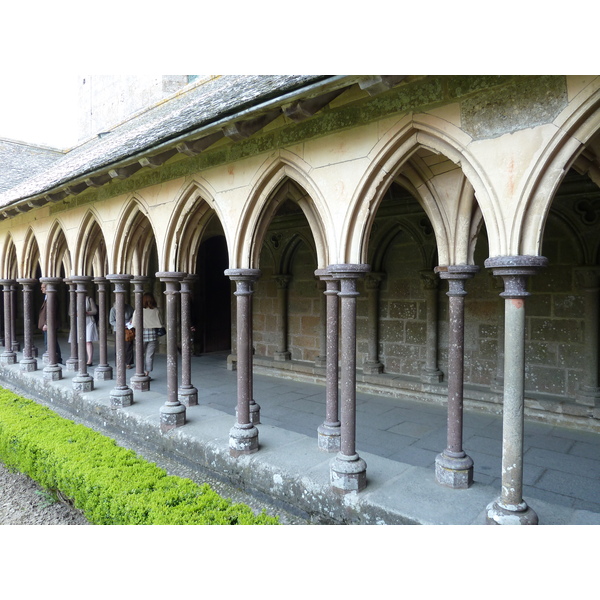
[{"x": 212, "y": 300}]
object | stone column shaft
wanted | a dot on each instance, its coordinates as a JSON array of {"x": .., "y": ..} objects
[
  {"x": 103, "y": 371},
  {"x": 9, "y": 356},
  {"x": 510, "y": 508},
  {"x": 321, "y": 360},
  {"x": 172, "y": 412},
  {"x": 28, "y": 361},
  {"x": 329, "y": 432},
  {"x": 83, "y": 381},
  {"x": 348, "y": 471},
  {"x": 15, "y": 346},
  {"x": 431, "y": 372},
  {"x": 121, "y": 395},
  {"x": 188, "y": 394},
  {"x": 243, "y": 437},
  {"x": 52, "y": 370},
  {"x": 72, "y": 363},
  {"x": 282, "y": 352},
  {"x": 140, "y": 381},
  {"x": 372, "y": 365},
  {"x": 453, "y": 468}
]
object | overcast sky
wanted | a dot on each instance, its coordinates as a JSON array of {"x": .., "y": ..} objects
[{"x": 39, "y": 109}]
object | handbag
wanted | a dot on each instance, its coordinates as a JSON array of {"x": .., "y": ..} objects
[
  {"x": 160, "y": 331},
  {"x": 129, "y": 335}
]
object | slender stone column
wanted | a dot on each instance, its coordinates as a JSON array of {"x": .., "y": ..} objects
[
  {"x": 372, "y": 365},
  {"x": 589, "y": 390},
  {"x": 188, "y": 394},
  {"x": 348, "y": 471},
  {"x": 16, "y": 346},
  {"x": 510, "y": 508},
  {"x": 329, "y": 432},
  {"x": 83, "y": 381},
  {"x": 282, "y": 352},
  {"x": 453, "y": 467},
  {"x": 28, "y": 361},
  {"x": 498, "y": 382},
  {"x": 103, "y": 372},
  {"x": 9, "y": 356},
  {"x": 72, "y": 363},
  {"x": 52, "y": 370},
  {"x": 254, "y": 406},
  {"x": 431, "y": 372},
  {"x": 243, "y": 436},
  {"x": 172, "y": 412},
  {"x": 321, "y": 360},
  {"x": 140, "y": 381},
  {"x": 121, "y": 395}
]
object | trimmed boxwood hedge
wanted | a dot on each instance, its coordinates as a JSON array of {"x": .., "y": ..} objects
[{"x": 110, "y": 484}]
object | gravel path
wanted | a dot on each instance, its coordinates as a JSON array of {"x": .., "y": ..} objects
[{"x": 24, "y": 502}]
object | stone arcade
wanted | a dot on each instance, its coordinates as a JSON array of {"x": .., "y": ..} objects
[{"x": 433, "y": 236}]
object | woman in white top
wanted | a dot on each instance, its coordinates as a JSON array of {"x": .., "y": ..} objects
[
  {"x": 91, "y": 329},
  {"x": 151, "y": 321}
]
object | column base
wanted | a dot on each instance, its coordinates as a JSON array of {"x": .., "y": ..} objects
[
  {"x": 588, "y": 396},
  {"x": 321, "y": 362},
  {"x": 83, "y": 383},
  {"x": 329, "y": 437},
  {"x": 28, "y": 364},
  {"x": 8, "y": 358},
  {"x": 454, "y": 472},
  {"x": 372, "y": 368},
  {"x": 243, "y": 439},
  {"x": 72, "y": 364},
  {"x": 52, "y": 373},
  {"x": 348, "y": 474},
  {"x": 188, "y": 396},
  {"x": 500, "y": 514},
  {"x": 120, "y": 398},
  {"x": 432, "y": 376},
  {"x": 140, "y": 383},
  {"x": 103, "y": 373},
  {"x": 232, "y": 362},
  {"x": 16, "y": 347},
  {"x": 171, "y": 417}
]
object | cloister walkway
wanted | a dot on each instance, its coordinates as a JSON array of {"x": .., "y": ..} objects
[{"x": 398, "y": 438}]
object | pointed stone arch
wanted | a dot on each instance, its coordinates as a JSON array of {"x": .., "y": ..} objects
[
  {"x": 280, "y": 182},
  {"x": 31, "y": 260},
  {"x": 399, "y": 156},
  {"x": 90, "y": 250},
  {"x": 57, "y": 253},
  {"x": 10, "y": 267},
  {"x": 193, "y": 216},
  {"x": 575, "y": 129},
  {"x": 135, "y": 239}
]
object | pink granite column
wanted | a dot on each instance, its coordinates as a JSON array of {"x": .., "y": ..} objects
[
  {"x": 243, "y": 437},
  {"x": 52, "y": 371},
  {"x": 348, "y": 471},
  {"x": 453, "y": 467},
  {"x": 283, "y": 282},
  {"x": 140, "y": 381},
  {"x": 16, "y": 346},
  {"x": 83, "y": 381},
  {"x": 172, "y": 412},
  {"x": 103, "y": 372},
  {"x": 28, "y": 361},
  {"x": 121, "y": 395},
  {"x": 9, "y": 356},
  {"x": 188, "y": 394},
  {"x": 329, "y": 432},
  {"x": 511, "y": 508},
  {"x": 72, "y": 363}
]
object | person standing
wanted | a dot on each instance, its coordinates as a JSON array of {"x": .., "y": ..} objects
[
  {"x": 112, "y": 318},
  {"x": 43, "y": 325},
  {"x": 151, "y": 322}
]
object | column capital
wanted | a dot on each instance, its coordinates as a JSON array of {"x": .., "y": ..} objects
[
  {"x": 51, "y": 281},
  {"x": 7, "y": 282},
  {"x": 170, "y": 276},
  {"x": 119, "y": 277},
  {"x": 429, "y": 279},
  {"x": 282, "y": 280},
  {"x": 26, "y": 281},
  {"x": 348, "y": 271},
  {"x": 514, "y": 270},
  {"x": 243, "y": 274},
  {"x": 373, "y": 279},
  {"x": 456, "y": 271}
]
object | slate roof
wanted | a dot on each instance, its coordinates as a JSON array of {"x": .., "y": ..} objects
[{"x": 200, "y": 106}]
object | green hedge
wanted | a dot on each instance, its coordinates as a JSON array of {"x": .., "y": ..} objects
[{"x": 110, "y": 484}]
